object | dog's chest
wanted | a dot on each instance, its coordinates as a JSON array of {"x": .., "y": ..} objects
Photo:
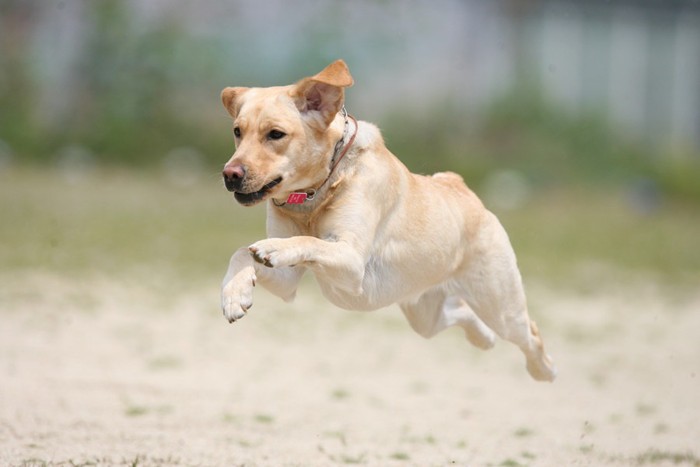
[{"x": 299, "y": 222}]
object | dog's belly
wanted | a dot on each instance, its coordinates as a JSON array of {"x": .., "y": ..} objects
[
  {"x": 366, "y": 301},
  {"x": 381, "y": 287}
]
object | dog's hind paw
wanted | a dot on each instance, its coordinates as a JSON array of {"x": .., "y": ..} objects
[{"x": 542, "y": 369}]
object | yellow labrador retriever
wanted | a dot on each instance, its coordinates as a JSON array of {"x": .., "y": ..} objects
[{"x": 342, "y": 206}]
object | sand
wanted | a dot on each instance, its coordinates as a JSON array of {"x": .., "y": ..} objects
[{"x": 98, "y": 372}]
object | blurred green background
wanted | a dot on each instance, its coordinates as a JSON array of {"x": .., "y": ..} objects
[{"x": 578, "y": 122}]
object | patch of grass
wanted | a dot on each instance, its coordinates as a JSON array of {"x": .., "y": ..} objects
[
  {"x": 134, "y": 226},
  {"x": 400, "y": 456},
  {"x": 339, "y": 435},
  {"x": 511, "y": 463},
  {"x": 142, "y": 228},
  {"x": 654, "y": 456},
  {"x": 616, "y": 418},
  {"x": 343, "y": 458},
  {"x": 138, "y": 460},
  {"x": 661, "y": 428},
  {"x": 353, "y": 459},
  {"x": 598, "y": 378},
  {"x": 588, "y": 428},
  {"x": 136, "y": 410},
  {"x": 523, "y": 432},
  {"x": 340, "y": 394},
  {"x": 264, "y": 418},
  {"x": 34, "y": 463},
  {"x": 644, "y": 410},
  {"x": 229, "y": 418},
  {"x": 244, "y": 443},
  {"x": 588, "y": 237},
  {"x": 586, "y": 448},
  {"x": 145, "y": 460},
  {"x": 165, "y": 362}
]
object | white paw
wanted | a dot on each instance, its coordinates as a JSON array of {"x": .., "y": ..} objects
[
  {"x": 274, "y": 253},
  {"x": 237, "y": 297}
]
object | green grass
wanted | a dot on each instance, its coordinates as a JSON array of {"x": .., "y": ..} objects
[
  {"x": 141, "y": 226},
  {"x": 400, "y": 456},
  {"x": 587, "y": 235},
  {"x": 523, "y": 432},
  {"x": 122, "y": 224},
  {"x": 265, "y": 419},
  {"x": 654, "y": 456}
]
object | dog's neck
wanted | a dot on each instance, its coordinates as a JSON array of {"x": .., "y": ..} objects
[{"x": 307, "y": 199}]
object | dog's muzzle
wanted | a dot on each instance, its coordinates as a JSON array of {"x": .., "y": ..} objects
[
  {"x": 234, "y": 175},
  {"x": 248, "y": 199},
  {"x": 234, "y": 179}
]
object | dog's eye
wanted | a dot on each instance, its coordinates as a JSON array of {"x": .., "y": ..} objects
[
  {"x": 237, "y": 132},
  {"x": 276, "y": 134}
]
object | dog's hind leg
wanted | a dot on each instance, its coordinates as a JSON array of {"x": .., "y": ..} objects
[
  {"x": 491, "y": 284},
  {"x": 509, "y": 319},
  {"x": 435, "y": 311},
  {"x": 500, "y": 303},
  {"x": 424, "y": 314},
  {"x": 493, "y": 288},
  {"x": 476, "y": 331}
]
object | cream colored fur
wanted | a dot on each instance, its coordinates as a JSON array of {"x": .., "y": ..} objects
[{"x": 374, "y": 234}]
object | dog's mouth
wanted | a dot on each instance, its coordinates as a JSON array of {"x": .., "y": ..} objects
[{"x": 248, "y": 199}]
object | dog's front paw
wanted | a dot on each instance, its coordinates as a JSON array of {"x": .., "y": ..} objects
[
  {"x": 275, "y": 252},
  {"x": 237, "y": 297}
]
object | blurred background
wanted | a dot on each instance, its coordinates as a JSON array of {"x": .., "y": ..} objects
[{"x": 578, "y": 122}]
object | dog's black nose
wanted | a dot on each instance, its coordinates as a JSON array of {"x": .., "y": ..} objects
[{"x": 233, "y": 176}]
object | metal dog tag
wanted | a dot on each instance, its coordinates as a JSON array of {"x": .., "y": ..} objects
[{"x": 297, "y": 198}]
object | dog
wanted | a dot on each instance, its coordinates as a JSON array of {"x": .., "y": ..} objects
[{"x": 342, "y": 206}]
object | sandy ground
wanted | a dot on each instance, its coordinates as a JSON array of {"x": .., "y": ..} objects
[{"x": 103, "y": 373}]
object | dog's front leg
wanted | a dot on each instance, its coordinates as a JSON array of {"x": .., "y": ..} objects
[
  {"x": 237, "y": 287},
  {"x": 241, "y": 277},
  {"x": 338, "y": 261}
]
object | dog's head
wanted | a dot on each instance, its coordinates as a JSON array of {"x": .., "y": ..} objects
[{"x": 282, "y": 134}]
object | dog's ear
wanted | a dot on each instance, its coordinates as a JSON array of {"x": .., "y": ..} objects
[
  {"x": 323, "y": 93},
  {"x": 231, "y": 99}
]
